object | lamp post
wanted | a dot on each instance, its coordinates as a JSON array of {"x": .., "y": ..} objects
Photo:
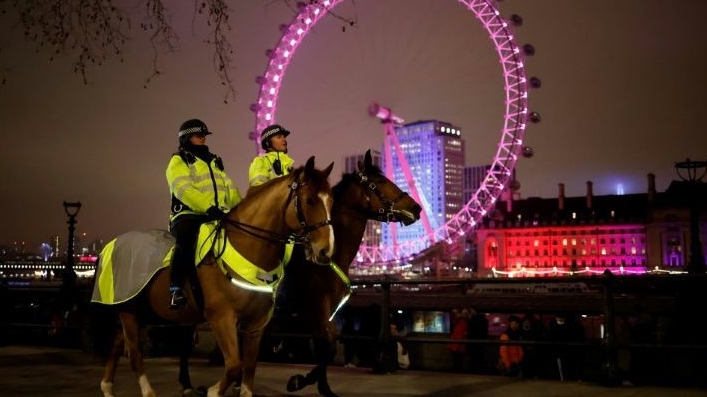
[
  {"x": 69, "y": 277},
  {"x": 692, "y": 172}
]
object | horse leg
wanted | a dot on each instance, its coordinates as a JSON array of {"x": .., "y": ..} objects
[
  {"x": 224, "y": 329},
  {"x": 114, "y": 354},
  {"x": 251, "y": 349},
  {"x": 186, "y": 335},
  {"x": 131, "y": 331},
  {"x": 324, "y": 350},
  {"x": 299, "y": 382}
]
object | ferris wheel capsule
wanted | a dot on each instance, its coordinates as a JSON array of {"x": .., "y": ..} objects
[{"x": 383, "y": 113}]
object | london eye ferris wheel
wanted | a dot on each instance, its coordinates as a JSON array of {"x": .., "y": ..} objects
[{"x": 510, "y": 145}]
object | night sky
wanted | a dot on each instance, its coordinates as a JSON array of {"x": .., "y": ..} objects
[{"x": 622, "y": 96}]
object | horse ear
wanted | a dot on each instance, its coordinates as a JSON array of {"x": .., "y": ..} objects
[
  {"x": 309, "y": 166},
  {"x": 368, "y": 161},
  {"x": 328, "y": 169}
]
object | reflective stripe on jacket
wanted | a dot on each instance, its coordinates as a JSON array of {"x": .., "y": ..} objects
[
  {"x": 200, "y": 185},
  {"x": 261, "y": 168}
]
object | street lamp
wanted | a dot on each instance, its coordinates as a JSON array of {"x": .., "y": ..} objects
[
  {"x": 72, "y": 210},
  {"x": 692, "y": 172}
]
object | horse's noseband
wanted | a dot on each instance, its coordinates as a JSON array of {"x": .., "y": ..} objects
[{"x": 387, "y": 213}]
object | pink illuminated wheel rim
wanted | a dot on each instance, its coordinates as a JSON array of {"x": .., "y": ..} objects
[{"x": 509, "y": 146}]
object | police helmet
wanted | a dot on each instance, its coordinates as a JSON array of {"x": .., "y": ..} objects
[
  {"x": 269, "y": 132},
  {"x": 193, "y": 126}
]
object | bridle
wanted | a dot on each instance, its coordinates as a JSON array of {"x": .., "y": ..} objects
[
  {"x": 303, "y": 235},
  {"x": 387, "y": 213},
  {"x": 297, "y": 237}
]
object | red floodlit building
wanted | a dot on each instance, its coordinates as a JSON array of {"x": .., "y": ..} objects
[{"x": 625, "y": 234}]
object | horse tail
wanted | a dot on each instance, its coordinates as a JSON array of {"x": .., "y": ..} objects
[{"x": 104, "y": 329}]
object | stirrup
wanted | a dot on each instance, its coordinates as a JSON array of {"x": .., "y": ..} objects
[{"x": 178, "y": 300}]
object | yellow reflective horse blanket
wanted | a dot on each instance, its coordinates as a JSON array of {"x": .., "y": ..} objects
[{"x": 128, "y": 262}]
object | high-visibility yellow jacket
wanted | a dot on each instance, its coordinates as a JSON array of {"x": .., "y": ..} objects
[
  {"x": 197, "y": 185},
  {"x": 261, "y": 168}
]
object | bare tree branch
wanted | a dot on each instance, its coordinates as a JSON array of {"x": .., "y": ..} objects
[
  {"x": 92, "y": 31},
  {"x": 216, "y": 14},
  {"x": 162, "y": 37},
  {"x": 298, "y": 5}
]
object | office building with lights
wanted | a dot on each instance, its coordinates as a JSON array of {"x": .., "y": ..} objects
[
  {"x": 473, "y": 178},
  {"x": 625, "y": 234},
  {"x": 434, "y": 154}
]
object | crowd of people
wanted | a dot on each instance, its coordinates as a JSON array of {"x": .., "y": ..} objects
[
  {"x": 468, "y": 324},
  {"x": 560, "y": 359},
  {"x": 532, "y": 346}
]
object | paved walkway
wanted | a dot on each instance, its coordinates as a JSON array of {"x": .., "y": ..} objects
[{"x": 39, "y": 371}]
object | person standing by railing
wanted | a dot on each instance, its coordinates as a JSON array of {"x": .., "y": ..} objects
[
  {"x": 477, "y": 329},
  {"x": 459, "y": 324},
  {"x": 511, "y": 355},
  {"x": 566, "y": 332},
  {"x": 530, "y": 330}
]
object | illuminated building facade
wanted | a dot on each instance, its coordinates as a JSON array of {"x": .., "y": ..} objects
[
  {"x": 473, "y": 178},
  {"x": 625, "y": 234},
  {"x": 434, "y": 151}
]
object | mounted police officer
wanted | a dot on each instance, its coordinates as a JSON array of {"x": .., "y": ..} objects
[
  {"x": 275, "y": 161},
  {"x": 201, "y": 192}
]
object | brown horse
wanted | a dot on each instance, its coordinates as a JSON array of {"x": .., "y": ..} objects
[
  {"x": 295, "y": 207},
  {"x": 314, "y": 292}
]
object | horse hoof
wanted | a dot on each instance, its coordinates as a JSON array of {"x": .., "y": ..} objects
[{"x": 295, "y": 383}]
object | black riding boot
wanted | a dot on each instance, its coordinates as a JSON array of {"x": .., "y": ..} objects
[{"x": 178, "y": 299}]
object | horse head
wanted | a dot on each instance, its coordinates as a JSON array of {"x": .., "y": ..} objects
[
  {"x": 312, "y": 211},
  {"x": 384, "y": 200}
]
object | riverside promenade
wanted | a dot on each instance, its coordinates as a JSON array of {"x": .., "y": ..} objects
[{"x": 40, "y": 371}]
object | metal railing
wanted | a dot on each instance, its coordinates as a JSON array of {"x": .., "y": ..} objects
[{"x": 30, "y": 315}]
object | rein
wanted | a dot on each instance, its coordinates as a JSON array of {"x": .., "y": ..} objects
[
  {"x": 388, "y": 213},
  {"x": 300, "y": 237}
]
